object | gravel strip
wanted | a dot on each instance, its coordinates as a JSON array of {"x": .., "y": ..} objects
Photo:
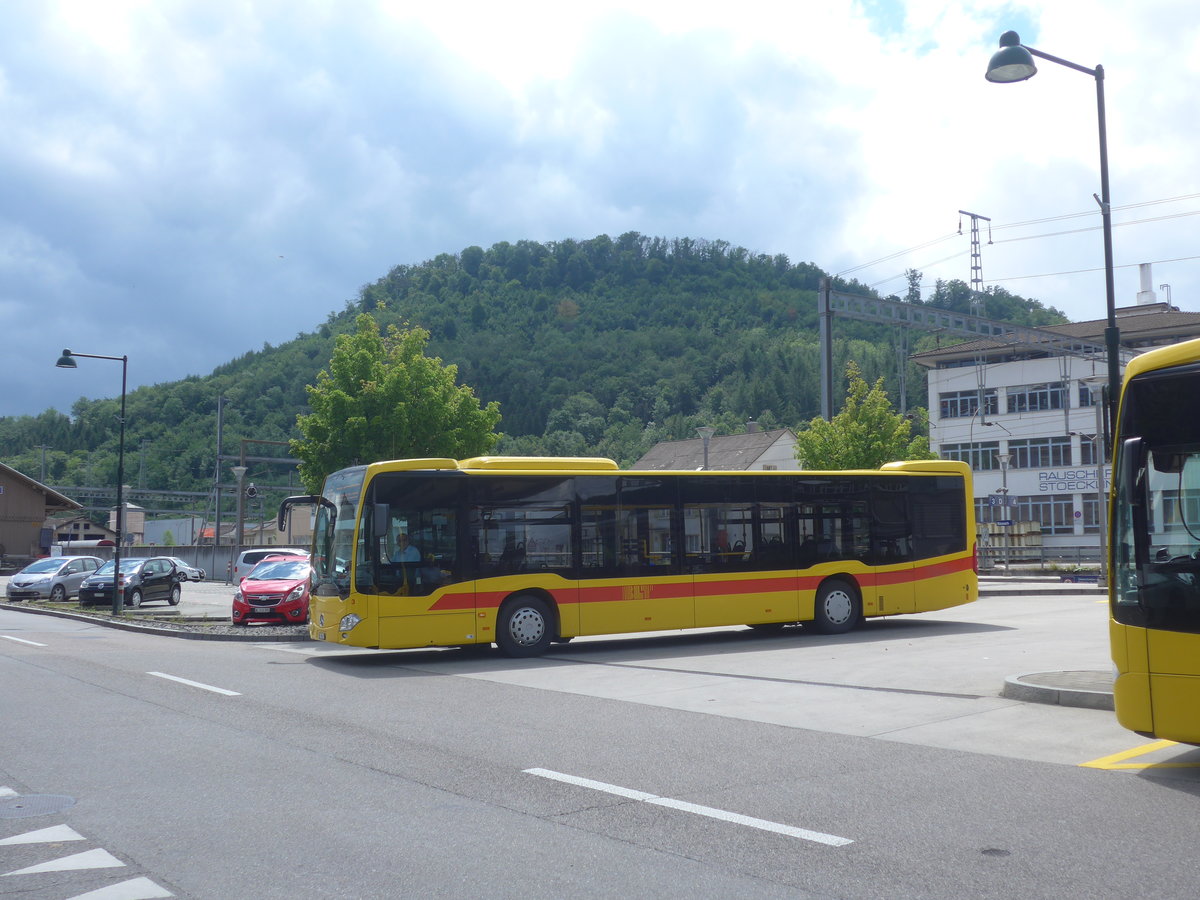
[{"x": 194, "y": 629}]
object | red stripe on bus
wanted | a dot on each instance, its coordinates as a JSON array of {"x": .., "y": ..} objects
[{"x": 630, "y": 590}]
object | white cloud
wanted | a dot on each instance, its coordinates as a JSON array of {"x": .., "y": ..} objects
[{"x": 232, "y": 173}]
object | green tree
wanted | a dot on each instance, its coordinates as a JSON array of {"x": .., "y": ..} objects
[
  {"x": 866, "y": 434},
  {"x": 383, "y": 398}
]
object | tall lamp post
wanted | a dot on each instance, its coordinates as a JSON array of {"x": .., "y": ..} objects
[
  {"x": 67, "y": 361},
  {"x": 1004, "y": 459},
  {"x": 1014, "y": 62},
  {"x": 706, "y": 433}
]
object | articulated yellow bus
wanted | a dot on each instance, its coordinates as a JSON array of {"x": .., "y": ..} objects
[
  {"x": 1154, "y": 552},
  {"x": 526, "y": 552}
]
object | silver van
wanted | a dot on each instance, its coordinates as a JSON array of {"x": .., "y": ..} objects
[
  {"x": 53, "y": 578},
  {"x": 248, "y": 559}
]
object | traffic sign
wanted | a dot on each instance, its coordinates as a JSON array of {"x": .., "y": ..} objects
[{"x": 1003, "y": 522}]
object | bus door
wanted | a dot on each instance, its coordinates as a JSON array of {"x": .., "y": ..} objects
[
  {"x": 737, "y": 550},
  {"x": 521, "y": 531},
  {"x": 630, "y": 571},
  {"x": 1157, "y": 584},
  {"x": 891, "y": 549},
  {"x": 411, "y": 566}
]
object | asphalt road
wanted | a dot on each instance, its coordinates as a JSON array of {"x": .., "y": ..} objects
[{"x": 883, "y": 763}]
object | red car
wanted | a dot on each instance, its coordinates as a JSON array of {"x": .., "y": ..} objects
[{"x": 276, "y": 590}]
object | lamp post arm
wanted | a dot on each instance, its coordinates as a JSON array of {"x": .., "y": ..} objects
[
  {"x": 1097, "y": 72},
  {"x": 120, "y": 359}
]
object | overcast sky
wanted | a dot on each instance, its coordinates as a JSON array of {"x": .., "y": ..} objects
[{"x": 183, "y": 181}]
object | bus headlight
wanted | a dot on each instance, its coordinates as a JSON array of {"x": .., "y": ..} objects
[{"x": 348, "y": 622}]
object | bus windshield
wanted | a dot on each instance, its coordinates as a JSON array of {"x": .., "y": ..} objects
[
  {"x": 333, "y": 532},
  {"x": 1157, "y": 516}
]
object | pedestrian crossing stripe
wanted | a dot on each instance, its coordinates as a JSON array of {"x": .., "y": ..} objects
[
  {"x": 89, "y": 859},
  {"x": 134, "y": 889},
  {"x": 56, "y": 834}
]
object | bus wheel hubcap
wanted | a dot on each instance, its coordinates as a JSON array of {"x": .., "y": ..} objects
[
  {"x": 527, "y": 626},
  {"x": 837, "y": 607}
]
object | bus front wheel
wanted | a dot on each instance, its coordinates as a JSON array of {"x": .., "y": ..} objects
[
  {"x": 838, "y": 607},
  {"x": 525, "y": 626}
]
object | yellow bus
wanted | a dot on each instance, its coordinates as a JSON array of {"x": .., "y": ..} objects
[
  {"x": 526, "y": 552},
  {"x": 1154, "y": 555}
]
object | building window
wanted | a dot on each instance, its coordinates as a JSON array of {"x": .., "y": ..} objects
[
  {"x": 1087, "y": 452},
  {"x": 964, "y": 404},
  {"x": 980, "y": 456},
  {"x": 1086, "y": 396},
  {"x": 1091, "y": 515},
  {"x": 1040, "y": 453},
  {"x": 1034, "y": 397},
  {"x": 1055, "y": 513}
]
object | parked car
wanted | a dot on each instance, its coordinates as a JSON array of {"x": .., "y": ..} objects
[
  {"x": 142, "y": 578},
  {"x": 192, "y": 573},
  {"x": 53, "y": 578},
  {"x": 276, "y": 590},
  {"x": 248, "y": 559}
]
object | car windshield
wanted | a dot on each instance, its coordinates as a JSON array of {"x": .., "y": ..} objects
[
  {"x": 280, "y": 570},
  {"x": 42, "y": 566},
  {"x": 127, "y": 566}
]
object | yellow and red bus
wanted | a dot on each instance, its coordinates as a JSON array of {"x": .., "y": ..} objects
[
  {"x": 1154, "y": 551},
  {"x": 525, "y": 552}
]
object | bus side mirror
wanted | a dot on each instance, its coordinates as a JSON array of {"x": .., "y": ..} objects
[
  {"x": 1133, "y": 454},
  {"x": 288, "y": 502},
  {"x": 381, "y": 519}
]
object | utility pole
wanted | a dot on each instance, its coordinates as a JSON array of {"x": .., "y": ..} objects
[{"x": 976, "y": 259}]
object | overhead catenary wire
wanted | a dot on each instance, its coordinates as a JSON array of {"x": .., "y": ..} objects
[{"x": 1090, "y": 213}]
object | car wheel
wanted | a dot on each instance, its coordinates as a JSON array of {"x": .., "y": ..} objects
[
  {"x": 525, "y": 626},
  {"x": 838, "y": 607},
  {"x": 176, "y": 592},
  {"x": 58, "y": 594},
  {"x": 134, "y": 598}
]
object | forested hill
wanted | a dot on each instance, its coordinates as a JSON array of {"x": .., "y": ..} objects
[{"x": 600, "y": 346}]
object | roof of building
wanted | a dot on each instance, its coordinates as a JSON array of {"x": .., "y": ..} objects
[
  {"x": 728, "y": 452},
  {"x": 54, "y": 500},
  {"x": 1140, "y": 327}
]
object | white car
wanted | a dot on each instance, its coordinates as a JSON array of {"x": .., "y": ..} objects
[{"x": 193, "y": 573}]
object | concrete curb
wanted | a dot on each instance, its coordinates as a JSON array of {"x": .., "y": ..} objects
[{"x": 1086, "y": 690}]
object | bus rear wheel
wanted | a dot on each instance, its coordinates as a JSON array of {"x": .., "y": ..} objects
[
  {"x": 838, "y": 607},
  {"x": 525, "y": 626}
]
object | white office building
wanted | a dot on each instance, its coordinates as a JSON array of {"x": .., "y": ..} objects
[{"x": 1025, "y": 421}]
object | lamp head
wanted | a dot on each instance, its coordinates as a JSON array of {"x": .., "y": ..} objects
[
  {"x": 67, "y": 361},
  {"x": 1011, "y": 62}
]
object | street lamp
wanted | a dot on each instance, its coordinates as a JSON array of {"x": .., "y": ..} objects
[
  {"x": 1004, "y": 459},
  {"x": 239, "y": 472},
  {"x": 706, "y": 432},
  {"x": 1095, "y": 384},
  {"x": 67, "y": 361},
  {"x": 1014, "y": 62}
]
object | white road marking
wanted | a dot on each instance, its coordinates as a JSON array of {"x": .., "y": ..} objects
[
  {"x": 804, "y": 834},
  {"x": 6, "y": 791},
  {"x": 134, "y": 889},
  {"x": 196, "y": 684},
  {"x": 9, "y": 637},
  {"x": 89, "y": 859},
  {"x": 54, "y": 834}
]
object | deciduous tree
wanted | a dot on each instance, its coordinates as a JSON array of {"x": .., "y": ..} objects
[
  {"x": 866, "y": 433},
  {"x": 383, "y": 398}
]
